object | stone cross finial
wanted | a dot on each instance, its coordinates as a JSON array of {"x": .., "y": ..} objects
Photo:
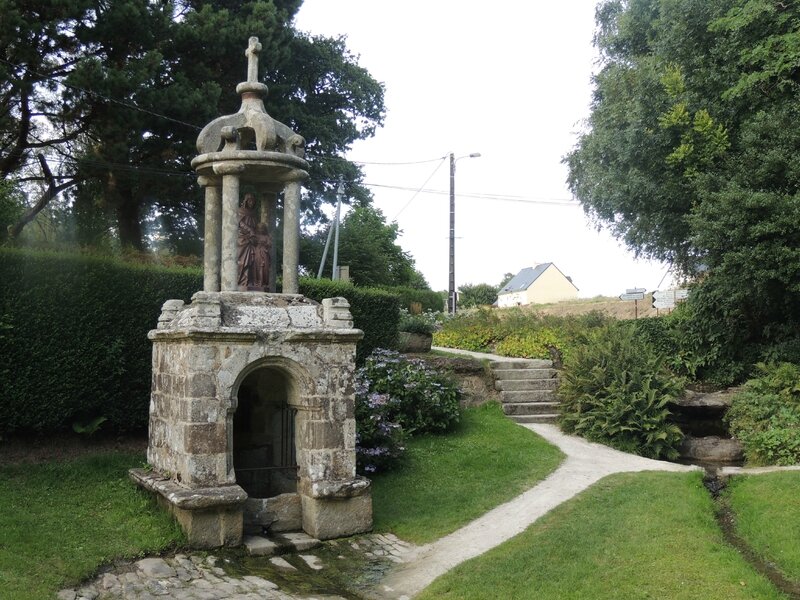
[{"x": 253, "y": 48}]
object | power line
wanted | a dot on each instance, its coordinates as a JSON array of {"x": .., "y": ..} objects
[
  {"x": 485, "y": 196},
  {"x": 441, "y": 162},
  {"x": 387, "y": 164}
]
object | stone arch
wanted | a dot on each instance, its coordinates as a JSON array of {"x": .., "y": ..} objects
[{"x": 266, "y": 398}]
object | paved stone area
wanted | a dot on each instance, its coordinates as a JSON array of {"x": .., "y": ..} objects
[{"x": 201, "y": 577}]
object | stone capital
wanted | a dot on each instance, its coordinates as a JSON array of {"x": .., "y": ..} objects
[{"x": 205, "y": 181}]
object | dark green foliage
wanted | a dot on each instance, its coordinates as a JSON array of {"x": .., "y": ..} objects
[
  {"x": 428, "y": 299},
  {"x": 480, "y": 294},
  {"x": 615, "y": 389},
  {"x": 691, "y": 156},
  {"x": 73, "y": 335},
  {"x": 75, "y": 338},
  {"x": 765, "y": 415},
  {"x": 376, "y": 312},
  {"x": 421, "y": 399}
]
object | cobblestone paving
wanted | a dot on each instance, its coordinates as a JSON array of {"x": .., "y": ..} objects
[{"x": 201, "y": 577}]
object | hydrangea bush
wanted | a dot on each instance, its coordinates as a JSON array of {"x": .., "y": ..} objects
[{"x": 395, "y": 397}]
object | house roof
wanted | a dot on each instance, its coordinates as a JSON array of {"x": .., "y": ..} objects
[{"x": 523, "y": 280}]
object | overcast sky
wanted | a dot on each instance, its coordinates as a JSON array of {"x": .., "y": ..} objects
[{"x": 508, "y": 79}]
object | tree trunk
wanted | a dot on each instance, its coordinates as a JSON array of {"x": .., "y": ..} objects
[{"x": 128, "y": 221}]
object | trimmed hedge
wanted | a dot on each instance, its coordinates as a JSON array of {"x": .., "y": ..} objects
[
  {"x": 73, "y": 335},
  {"x": 430, "y": 300},
  {"x": 74, "y": 338},
  {"x": 375, "y": 311}
]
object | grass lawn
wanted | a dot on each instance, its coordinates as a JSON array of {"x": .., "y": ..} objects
[
  {"x": 449, "y": 480},
  {"x": 643, "y": 535},
  {"x": 767, "y": 509},
  {"x": 61, "y": 520}
]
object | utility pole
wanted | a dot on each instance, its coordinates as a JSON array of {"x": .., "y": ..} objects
[
  {"x": 451, "y": 290},
  {"x": 334, "y": 227},
  {"x": 339, "y": 196}
]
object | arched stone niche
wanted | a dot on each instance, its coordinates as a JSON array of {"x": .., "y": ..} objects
[{"x": 230, "y": 368}]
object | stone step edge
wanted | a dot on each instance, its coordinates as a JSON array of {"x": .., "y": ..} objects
[
  {"x": 542, "y": 418},
  {"x": 279, "y": 543}
]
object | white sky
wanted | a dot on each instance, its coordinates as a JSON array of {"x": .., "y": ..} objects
[{"x": 509, "y": 79}]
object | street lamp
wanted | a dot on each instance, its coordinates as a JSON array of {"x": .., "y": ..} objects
[{"x": 451, "y": 291}]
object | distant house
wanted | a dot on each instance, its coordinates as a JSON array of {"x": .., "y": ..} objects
[{"x": 537, "y": 285}]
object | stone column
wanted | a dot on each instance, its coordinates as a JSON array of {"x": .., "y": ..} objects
[
  {"x": 229, "y": 271},
  {"x": 213, "y": 228},
  {"x": 291, "y": 237},
  {"x": 269, "y": 208}
]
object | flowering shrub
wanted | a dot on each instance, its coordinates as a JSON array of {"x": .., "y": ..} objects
[
  {"x": 398, "y": 396},
  {"x": 427, "y": 322},
  {"x": 379, "y": 439}
]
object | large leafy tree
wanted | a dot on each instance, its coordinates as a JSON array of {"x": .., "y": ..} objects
[
  {"x": 690, "y": 155},
  {"x": 133, "y": 81}
]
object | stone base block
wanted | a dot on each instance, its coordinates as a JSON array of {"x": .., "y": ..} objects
[
  {"x": 329, "y": 518},
  {"x": 210, "y": 517},
  {"x": 280, "y": 513},
  {"x": 209, "y": 528}
]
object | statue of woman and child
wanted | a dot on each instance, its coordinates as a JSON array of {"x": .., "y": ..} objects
[{"x": 254, "y": 244}]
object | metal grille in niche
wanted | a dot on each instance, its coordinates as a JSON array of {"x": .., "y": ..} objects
[{"x": 278, "y": 473}]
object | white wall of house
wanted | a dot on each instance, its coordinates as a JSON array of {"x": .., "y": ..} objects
[{"x": 550, "y": 286}]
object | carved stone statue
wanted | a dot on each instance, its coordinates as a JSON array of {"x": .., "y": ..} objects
[
  {"x": 262, "y": 251},
  {"x": 246, "y": 247}
]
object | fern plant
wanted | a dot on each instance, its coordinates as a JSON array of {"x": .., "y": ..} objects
[{"x": 615, "y": 390}]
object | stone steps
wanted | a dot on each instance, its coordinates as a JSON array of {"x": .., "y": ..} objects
[
  {"x": 503, "y": 374},
  {"x": 527, "y": 390},
  {"x": 521, "y": 385},
  {"x": 530, "y": 408},
  {"x": 279, "y": 543}
]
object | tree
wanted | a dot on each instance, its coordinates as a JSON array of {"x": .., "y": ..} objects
[
  {"x": 367, "y": 244},
  {"x": 480, "y": 294},
  {"x": 129, "y": 84},
  {"x": 690, "y": 156}
]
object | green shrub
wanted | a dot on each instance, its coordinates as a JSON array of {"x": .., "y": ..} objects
[
  {"x": 615, "y": 390},
  {"x": 420, "y": 399},
  {"x": 529, "y": 344},
  {"x": 517, "y": 332},
  {"x": 375, "y": 311},
  {"x": 425, "y": 323},
  {"x": 379, "y": 438},
  {"x": 476, "y": 331},
  {"x": 765, "y": 415}
]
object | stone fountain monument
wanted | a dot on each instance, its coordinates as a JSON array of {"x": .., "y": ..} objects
[{"x": 252, "y": 407}]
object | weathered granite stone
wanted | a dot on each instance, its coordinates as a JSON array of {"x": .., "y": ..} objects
[
  {"x": 712, "y": 449},
  {"x": 326, "y": 519},
  {"x": 279, "y": 513},
  {"x": 155, "y": 567}
]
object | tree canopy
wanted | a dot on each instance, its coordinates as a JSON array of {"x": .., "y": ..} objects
[
  {"x": 115, "y": 93},
  {"x": 690, "y": 155},
  {"x": 368, "y": 245}
]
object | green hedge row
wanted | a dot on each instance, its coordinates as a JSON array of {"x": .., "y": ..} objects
[
  {"x": 429, "y": 299},
  {"x": 74, "y": 338},
  {"x": 73, "y": 335}
]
